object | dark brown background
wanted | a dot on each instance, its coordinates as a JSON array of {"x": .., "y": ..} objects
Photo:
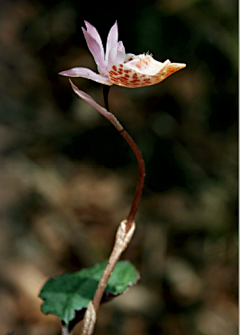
[{"x": 67, "y": 178}]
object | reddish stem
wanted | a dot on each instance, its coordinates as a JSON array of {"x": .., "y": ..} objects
[
  {"x": 141, "y": 176},
  {"x": 130, "y": 225},
  {"x": 140, "y": 161}
]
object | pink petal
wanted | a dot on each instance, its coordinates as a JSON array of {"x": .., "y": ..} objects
[
  {"x": 86, "y": 73},
  {"x": 94, "y": 33},
  {"x": 96, "y": 51},
  {"x": 112, "y": 40},
  {"x": 99, "y": 108}
]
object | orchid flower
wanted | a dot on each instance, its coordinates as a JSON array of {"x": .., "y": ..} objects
[{"x": 117, "y": 67}]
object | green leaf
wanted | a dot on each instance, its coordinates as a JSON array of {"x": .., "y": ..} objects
[{"x": 71, "y": 292}]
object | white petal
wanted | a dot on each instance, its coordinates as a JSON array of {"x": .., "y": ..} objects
[
  {"x": 112, "y": 40},
  {"x": 112, "y": 57},
  {"x": 116, "y": 56},
  {"x": 86, "y": 73},
  {"x": 99, "y": 108},
  {"x": 121, "y": 54}
]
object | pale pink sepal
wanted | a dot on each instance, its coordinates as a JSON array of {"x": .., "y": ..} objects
[
  {"x": 83, "y": 72},
  {"x": 99, "y": 108},
  {"x": 96, "y": 51},
  {"x": 94, "y": 33}
]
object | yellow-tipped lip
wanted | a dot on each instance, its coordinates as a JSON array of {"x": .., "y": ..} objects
[{"x": 182, "y": 66}]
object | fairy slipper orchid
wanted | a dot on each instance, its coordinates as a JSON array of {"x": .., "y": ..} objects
[{"x": 117, "y": 67}]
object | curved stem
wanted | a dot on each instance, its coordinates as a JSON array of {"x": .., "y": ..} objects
[
  {"x": 125, "y": 230},
  {"x": 141, "y": 176},
  {"x": 140, "y": 161}
]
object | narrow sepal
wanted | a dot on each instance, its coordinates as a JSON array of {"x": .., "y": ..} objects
[
  {"x": 96, "y": 51},
  {"x": 86, "y": 73}
]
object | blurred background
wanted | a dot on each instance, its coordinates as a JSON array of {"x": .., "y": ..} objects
[{"x": 67, "y": 178}]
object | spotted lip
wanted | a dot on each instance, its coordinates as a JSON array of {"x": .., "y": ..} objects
[
  {"x": 129, "y": 78},
  {"x": 123, "y": 76}
]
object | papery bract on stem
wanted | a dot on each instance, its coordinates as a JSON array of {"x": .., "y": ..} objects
[{"x": 117, "y": 67}]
